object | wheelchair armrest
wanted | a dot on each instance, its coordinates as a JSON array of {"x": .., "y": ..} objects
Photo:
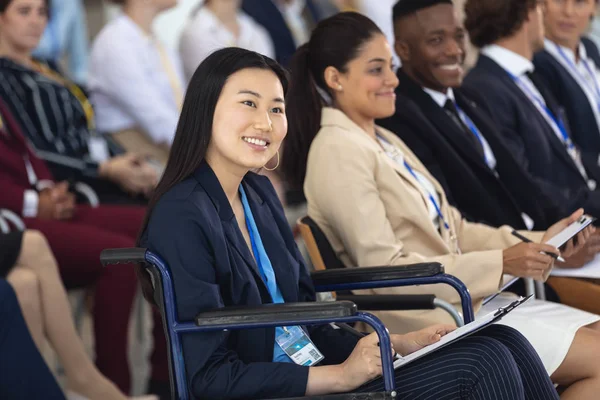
[
  {"x": 271, "y": 313},
  {"x": 123, "y": 256},
  {"x": 370, "y": 274},
  {"x": 386, "y": 302}
]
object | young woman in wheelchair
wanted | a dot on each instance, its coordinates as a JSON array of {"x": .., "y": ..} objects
[
  {"x": 221, "y": 230},
  {"x": 378, "y": 205}
]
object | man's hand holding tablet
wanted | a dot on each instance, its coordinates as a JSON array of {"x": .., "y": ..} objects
[{"x": 535, "y": 260}]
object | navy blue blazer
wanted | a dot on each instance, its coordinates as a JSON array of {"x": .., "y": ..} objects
[
  {"x": 455, "y": 161},
  {"x": 193, "y": 228},
  {"x": 584, "y": 127},
  {"x": 266, "y": 13},
  {"x": 530, "y": 138}
]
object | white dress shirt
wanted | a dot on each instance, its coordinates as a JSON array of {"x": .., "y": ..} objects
[
  {"x": 204, "y": 34},
  {"x": 130, "y": 85},
  {"x": 441, "y": 99},
  {"x": 518, "y": 66},
  {"x": 583, "y": 70}
]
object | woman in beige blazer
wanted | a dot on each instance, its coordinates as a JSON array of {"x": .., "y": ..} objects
[{"x": 378, "y": 205}]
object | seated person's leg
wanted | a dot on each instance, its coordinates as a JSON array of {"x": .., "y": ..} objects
[
  {"x": 124, "y": 220},
  {"x": 23, "y": 372},
  {"x": 77, "y": 250},
  {"x": 580, "y": 370},
  {"x": 536, "y": 381},
  {"x": 36, "y": 280},
  {"x": 477, "y": 367}
]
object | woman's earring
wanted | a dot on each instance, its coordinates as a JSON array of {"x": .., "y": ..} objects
[
  {"x": 339, "y": 87},
  {"x": 274, "y": 168}
]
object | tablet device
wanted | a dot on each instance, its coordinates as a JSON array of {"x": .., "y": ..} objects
[{"x": 571, "y": 231}]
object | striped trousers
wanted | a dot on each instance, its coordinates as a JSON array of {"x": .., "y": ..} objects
[{"x": 494, "y": 363}]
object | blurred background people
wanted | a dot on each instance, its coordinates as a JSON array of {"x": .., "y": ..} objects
[
  {"x": 568, "y": 67},
  {"x": 66, "y": 38},
  {"x": 215, "y": 24},
  {"x": 289, "y": 22},
  {"x": 136, "y": 84}
]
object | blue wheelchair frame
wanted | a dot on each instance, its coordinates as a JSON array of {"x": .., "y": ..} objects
[{"x": 328, "y": 312}]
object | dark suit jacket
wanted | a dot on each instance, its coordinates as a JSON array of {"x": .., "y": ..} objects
[
  {"x": 582, "y": 122},
  {"x": 531, "y": 139},
  {"x": 266, "y": 13},
  {"x": 193, "y": 228},
  {"x": 451, "y": 156}
]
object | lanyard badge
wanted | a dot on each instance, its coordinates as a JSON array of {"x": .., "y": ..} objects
[{"x": 298, "y": 346}]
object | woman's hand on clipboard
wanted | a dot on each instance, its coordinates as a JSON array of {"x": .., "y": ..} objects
[{"x": 413, "y": 341}]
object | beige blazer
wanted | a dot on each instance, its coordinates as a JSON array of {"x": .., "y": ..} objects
[{"x": 374, "y": 212}]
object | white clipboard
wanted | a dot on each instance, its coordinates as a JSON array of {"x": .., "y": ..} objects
[{"x": 461, "y": 332}]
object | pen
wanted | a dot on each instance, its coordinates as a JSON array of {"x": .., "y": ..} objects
[{"x": 526, "y": 240}]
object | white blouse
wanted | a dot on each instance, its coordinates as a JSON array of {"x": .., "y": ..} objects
[
  {"x": 134, "y": 81},
  {"x": 204, "y": 34}
]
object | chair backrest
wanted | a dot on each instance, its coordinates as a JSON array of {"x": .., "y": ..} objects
[{"x": 321, "y": 253}]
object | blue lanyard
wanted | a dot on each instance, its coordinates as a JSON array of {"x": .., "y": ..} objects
[
  {"x": 412, "y": 172},
  {"x": 269, "y": 280},
  {"x": 557, "y": 120},
  {"x": 596, "y": 88},
  {"x": 471, "y": 125},
  {"x": 431, "y": 198}
]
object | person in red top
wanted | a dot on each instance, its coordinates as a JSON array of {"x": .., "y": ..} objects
[{"x": 77, "y": 233}]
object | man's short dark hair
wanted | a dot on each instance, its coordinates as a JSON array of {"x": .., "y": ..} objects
[{"x": 488, "y": 21}]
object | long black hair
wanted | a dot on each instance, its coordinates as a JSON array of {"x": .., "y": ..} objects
[
  {"x": 335, "y": 42},
  {"x": 194, "y": 129}
]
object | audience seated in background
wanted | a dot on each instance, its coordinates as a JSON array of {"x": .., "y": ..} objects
[
  {"x": 568, "y": 66},
  {"x": 66, "y": 36},
  {"x": 215, "y": 24},
  {"x": 451, "y": 132},
  {"x": 528, "y": 117},
  {"x": 136, "y": 83},
  {"x": 27, "y": 263},
  {"x": 220, "y": 228},
  {"x": 56, "y": 117},
  {"x": 24, "y": 375},
  {"x": 77, "y": 234},
  {"x": 288, "y": 22},
  {"x": 378, "y": 205}
]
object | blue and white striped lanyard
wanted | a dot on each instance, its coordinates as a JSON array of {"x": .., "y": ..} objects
[
  {"x": 596, "y": 88},
  {"x": 395, "y": 155},
  {"x": 471, "y": 125},
  {"x": 557, "y": 120}
]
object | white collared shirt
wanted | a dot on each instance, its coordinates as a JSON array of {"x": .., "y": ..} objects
[
  {"x": 204, "y": 33},
  {"x": 518, "y": 66},
  {"x": 580, "y": 71},
  {"x": 441, "y": 99},
  {"x": 129, "y": 86}
]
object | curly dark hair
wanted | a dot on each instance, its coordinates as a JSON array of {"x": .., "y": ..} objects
[{"x": 487, "y": 21}]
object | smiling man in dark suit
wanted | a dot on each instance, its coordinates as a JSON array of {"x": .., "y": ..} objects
[{"x": 449, "y": 128}]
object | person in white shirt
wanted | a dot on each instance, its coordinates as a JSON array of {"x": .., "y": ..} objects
[
  {"x": 216, "y": 24},
  {"x": 136, "y": 84}
]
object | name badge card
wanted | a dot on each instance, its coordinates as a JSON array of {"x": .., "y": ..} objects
[{"x": 298, "y": 346}]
